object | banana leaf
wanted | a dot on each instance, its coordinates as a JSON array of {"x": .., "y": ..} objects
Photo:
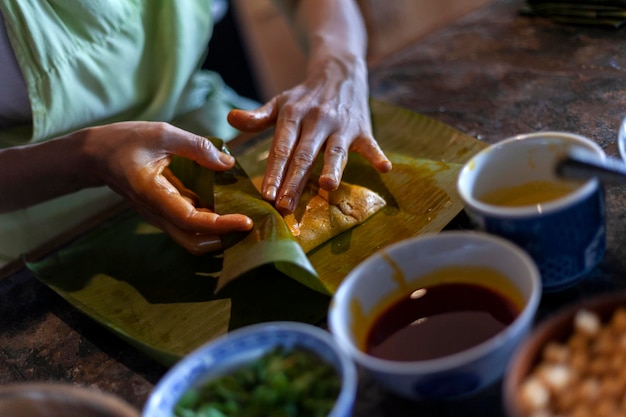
[
  {"x": 271, "y": 241},
  {"x": 131, "y": 278},
  {"x": 420, "y": 190}
]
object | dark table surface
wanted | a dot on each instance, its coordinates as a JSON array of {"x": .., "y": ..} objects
[{"x": 491, "y": 75}]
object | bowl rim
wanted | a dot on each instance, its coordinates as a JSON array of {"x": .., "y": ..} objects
[
  {"x": 346, "y": 367},
  {"x": 581, "y": 193},
  {"x": 555, "y": 326},
  {"x": 62, "y": 391},
  {"x": 454, "y": 360}
]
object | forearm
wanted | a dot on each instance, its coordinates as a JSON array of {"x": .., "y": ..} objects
[
  {"x": 327, "y": 114},
  {"x": 328, "y": 29},
  {"x": 34, "y": 173}
]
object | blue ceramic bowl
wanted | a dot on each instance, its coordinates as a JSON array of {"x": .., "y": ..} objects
[
  {"x": 565, "y": 236},
  {"x": 245, "y": 345}
]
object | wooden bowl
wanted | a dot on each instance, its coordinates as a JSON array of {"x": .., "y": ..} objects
[
  {"x": 557, "y": 327},
  {"x": 60, "y": 400}
]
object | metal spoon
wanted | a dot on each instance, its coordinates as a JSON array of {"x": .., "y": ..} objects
[
  {"x": 621, "y": 139},
  {"x": 581, "y": 164}
]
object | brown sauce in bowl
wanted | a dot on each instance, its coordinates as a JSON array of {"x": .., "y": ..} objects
[{"x": 439, "y": 320}]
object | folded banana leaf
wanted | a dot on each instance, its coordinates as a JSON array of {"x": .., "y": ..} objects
[
  {"x": 131, "y": 278},
  {"x": 271, "y": 241}
]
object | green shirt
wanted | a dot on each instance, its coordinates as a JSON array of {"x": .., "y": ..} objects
[{"x": 91, "y": 62}]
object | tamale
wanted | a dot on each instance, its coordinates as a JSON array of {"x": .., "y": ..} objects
[{"x": 322, "y": 215}]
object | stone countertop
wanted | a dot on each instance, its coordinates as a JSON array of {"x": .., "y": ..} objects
[
  {"x": 491, "y": 75},
  {"x": 495, "y": 74},
  {"x": 44, "y": 338}
]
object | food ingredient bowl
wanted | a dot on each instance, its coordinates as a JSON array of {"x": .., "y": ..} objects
[
  {"x": 438, "y": 316},
  {"x": 511, "y": 189},
  {"x": 248, "y": 348},
  {"x": 573, "y": 362},
  {"x": 60, "y": 400}
]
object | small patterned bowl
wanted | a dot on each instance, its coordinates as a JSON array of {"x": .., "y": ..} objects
[{"x": 244, "y": 345}]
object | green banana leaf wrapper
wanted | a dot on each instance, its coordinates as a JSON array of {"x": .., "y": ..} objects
[{"x": 134, "y": 280}]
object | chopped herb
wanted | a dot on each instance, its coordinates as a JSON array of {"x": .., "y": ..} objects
[{"x": 281, "y": 383}]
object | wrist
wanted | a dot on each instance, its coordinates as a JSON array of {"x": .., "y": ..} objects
[
  {"x": 80, "y": 158},
  {"x": 345, "y": 65}
]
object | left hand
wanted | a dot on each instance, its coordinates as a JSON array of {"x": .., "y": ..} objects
[
  {"x": 328, "y": 113},
  {"x": 132, "y": 158}
]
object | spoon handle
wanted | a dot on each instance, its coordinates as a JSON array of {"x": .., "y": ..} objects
[{"x": 583, "y": 165}]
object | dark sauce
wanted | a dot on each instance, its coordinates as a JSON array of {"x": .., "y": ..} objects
[{"x": 439, "y": 320}]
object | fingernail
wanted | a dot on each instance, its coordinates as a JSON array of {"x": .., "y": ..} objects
[
  {"x": 270, "y": 193},
  {"x": 285, "y": 203},
  {"x": 226, "y": 159},
  {"x": 328, "y": 182}
]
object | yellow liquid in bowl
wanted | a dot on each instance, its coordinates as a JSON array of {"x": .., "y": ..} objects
[{"x": 528, "y": 194}]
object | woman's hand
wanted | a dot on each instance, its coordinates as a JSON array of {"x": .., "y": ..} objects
[
  {"x": 329, "y": 114},
  {"x": 132, "y": 158}
]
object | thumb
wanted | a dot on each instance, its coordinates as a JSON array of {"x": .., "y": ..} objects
[
  {"x": 198, "y": 149},
  {"x": 254, "y": 120}
]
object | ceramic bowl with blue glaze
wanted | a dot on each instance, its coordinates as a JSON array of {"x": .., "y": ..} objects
[
  {"x": 564, "y": 233},
  {"x": 243, "y": 346},
  {"x": 414, "y": 268}
]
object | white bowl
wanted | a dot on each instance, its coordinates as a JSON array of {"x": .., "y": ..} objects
[
  {"x": 245, "y": 345},
  {"x": 377, "y": 280}
]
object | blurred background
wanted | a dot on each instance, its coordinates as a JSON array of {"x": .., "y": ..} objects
[{"x": 253, "y": 49}]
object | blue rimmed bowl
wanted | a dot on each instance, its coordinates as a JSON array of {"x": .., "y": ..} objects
[{"x": 243, "y": 346}]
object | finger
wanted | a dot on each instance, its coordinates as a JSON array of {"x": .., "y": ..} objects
[
  {"x": 225, "y": 223},
  {"x": 254, "y": 120},
  {"x": 236, "y": 222},
  {"x": 201, "y": 221},
  {"x": 191, "y": 197},
  {"x": 335, "y": 160},
  {"x": 279, "y": 158},
  {"x": 171, "y": 206},
  {"x": 369, "y": 149},
  {"x": 192, "y": 241},
  {"x": 196, "y": 148},
  {"x": 299, "y": 170}
]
